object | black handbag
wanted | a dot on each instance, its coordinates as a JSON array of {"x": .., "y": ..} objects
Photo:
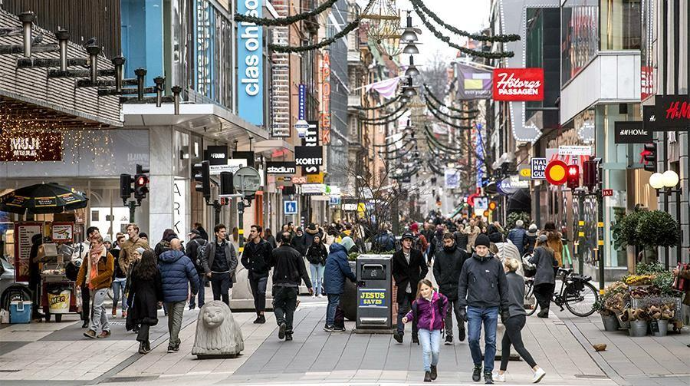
[{"x": 129, "y": 322}]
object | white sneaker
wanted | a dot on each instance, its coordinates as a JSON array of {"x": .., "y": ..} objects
[
  {"x": 538, "y": 375},
  {"x": 499, "y": 377},
  {"x": 320, "y": 296}
]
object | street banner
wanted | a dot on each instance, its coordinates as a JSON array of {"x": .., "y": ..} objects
[
  {"x": 386, "y": 88},
  {"x": 473, "y": 83},
  {"x": 250, "y": 99},
  {"x": 451, "y": 178},
  {"x": 518, "y": 84},
  {"x": 632, "y": 132}
]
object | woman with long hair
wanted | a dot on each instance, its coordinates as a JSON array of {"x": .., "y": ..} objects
[
  {"x": 146, "y": 291},
  {"x": 545, "y": 278},
  {"x": 316, "y": 255}
]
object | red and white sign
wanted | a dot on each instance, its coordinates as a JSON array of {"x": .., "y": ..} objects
[
  {"x": 518, "y": 84},
  {"x": 607, "y": 192},
  {"x": 556, "y": 172}
]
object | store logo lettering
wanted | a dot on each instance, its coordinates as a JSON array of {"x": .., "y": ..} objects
[
  {"x": 516, "y": 86},
  {"x": 252, "y": 44},
  {"x": 678, "y": 111},
  {"x": 217, "y": 155},
  {"x": 25, "y": 146}
]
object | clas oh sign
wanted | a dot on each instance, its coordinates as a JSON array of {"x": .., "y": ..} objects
[{"x": 250, "y": 97}]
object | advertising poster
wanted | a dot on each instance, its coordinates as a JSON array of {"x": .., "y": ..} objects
[
  {"x": 22, "y": 248},
  {"x": 63, "y": 232}
]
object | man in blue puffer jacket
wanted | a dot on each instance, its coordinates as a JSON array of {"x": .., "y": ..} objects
[
  {"x": 177, "y": 272},
  {"x": 337, "y": 269}
]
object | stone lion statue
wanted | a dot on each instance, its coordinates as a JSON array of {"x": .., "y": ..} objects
[{"x": 217, "y": 334}]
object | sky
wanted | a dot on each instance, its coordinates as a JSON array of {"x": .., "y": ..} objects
[{"x": 467, "y": 15}]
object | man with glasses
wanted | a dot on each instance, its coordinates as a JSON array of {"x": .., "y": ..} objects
[{"x": 256, "y": 258}]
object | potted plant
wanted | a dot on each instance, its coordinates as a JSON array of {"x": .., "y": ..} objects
[
  {"x": 660, "y": 314},
  {"x": 607, "y": 316},
  {"x": 612, "y": 305}
]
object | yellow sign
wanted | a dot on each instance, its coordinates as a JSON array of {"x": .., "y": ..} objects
[
  {"x": 581, "y": 223},
  {"x": 526, "y": 172},
  {"x": 601, "y": 225},
  {"x": 315, "y": 178}
]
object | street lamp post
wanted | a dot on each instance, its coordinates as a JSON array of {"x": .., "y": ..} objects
[{"x": 664, "y": 183}]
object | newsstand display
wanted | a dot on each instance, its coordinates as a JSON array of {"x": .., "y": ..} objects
[
  {"x": 58, "y": 292},
  {"x": 644, "y": 304}
]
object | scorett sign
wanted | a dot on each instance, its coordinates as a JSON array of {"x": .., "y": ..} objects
[{"x": 309, "y": 156}]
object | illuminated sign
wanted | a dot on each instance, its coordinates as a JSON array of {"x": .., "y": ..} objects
[
  {"x": 326, "y": 98},
  {"x": 250, "y": 64}
]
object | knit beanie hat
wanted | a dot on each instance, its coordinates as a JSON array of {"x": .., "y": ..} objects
[{"x": 482, "y": 239}]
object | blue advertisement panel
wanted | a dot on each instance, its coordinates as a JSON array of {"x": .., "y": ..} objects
[
  {"x": 372, "y": 298},
  {"x": 250, "y": 100}
]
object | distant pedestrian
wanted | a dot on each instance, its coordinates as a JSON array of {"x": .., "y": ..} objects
[
  {"x": 196, "y": 244},
  {"x": 515, "y": 323},
  {"x": 164, "y": 244},
  {"x": 119, "y": 282},
  {"x": 144, "y": 237},
  {"x": 532, "y": 234},
  {"x": 336, "y": 271},
  {"x": 201, "y": 230},
  {"x": 312, "y": 231},
  {"x": 316, "y": 256},
  {"x": 268, "y": 236},
  {"x": 555, "y": 241},
  {"x": 288, "y": 271},
  {"x": 518, "y": 236},
  {"x": 472, "y": 231},
  {"x": 97, "y": 272},
  {"x": 409, "y": 268},
  {"x": 133, "y": 242},
  {"x": 299, "y": 241},
  {"x": 435, "y": 244},
  {"x": 256, "y": 258},
  {"x": 447, "y": 268},
  {"x": 145, "y": 293},
  {"x": 177, "y": 274},
  {"x": 461, "y": 238},
  {"x": 545, "y": 277},
  {"x": 494, "y": 233},
  {"x": 484, "y": 291},
  {"x": 428, "y": 311},
  {"x": 219, "y": 262}
]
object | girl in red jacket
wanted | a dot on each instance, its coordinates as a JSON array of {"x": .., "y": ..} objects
[{"x": 428, "y": 311}]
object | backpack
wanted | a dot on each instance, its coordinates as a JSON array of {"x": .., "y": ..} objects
[
  {"x": 200, "y": 251},
  {"x": 415, "y": 318}
]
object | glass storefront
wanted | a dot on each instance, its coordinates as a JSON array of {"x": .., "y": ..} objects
[
  {"x": 619, "y": 24},
  {"x": 579, "y": 36}
]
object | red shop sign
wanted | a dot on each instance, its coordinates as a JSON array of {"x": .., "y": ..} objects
[{"x": 518, "y": 84}]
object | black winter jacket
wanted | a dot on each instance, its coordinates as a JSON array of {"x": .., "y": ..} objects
[
  {"x": 447, "y": 268},
  {"x": 461, "y": 240},
  {"x": 411, "y": 273},
  {"x": 300, "y": 244},
  {"x": 483, "y": 283},
  {"x": 288, "y": 267},
  {"x": 317, "y": 254},
  {"x": 256, "y": 258},
  {"x": 143, "y": 299}
]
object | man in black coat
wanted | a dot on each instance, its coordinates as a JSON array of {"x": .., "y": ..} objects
[
  {"x": 447, "y": 268},
  {"x": 288, "y": 271},
  {"x": 255, "y": 258},
  {"x": 409, "y": 268}
]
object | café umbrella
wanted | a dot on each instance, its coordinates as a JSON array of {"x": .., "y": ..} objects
[{"x": 42, "y": 198}]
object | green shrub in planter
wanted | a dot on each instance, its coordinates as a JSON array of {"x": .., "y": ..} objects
[
  {"x": 513, "y": 217},
  {"x": 625, "y": 230},
  {"x": 657, "y": 229}
]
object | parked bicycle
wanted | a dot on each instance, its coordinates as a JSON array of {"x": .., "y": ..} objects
[{"x": 577, "y": 294}]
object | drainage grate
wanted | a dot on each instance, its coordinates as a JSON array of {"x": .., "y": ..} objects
[
  {"x": 9, "y": 371},
  {"x": 129, "y": 379}
]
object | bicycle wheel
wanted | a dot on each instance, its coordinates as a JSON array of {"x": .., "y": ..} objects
[
  {"x": 530, "y": 300},
  {"x": 581, "y": 302}
]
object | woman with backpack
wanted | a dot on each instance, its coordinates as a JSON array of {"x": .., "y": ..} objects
[
  {"x": 428, "y": 311},
  {"x": 145, "y": 293},
  {"x": 316, "y": 255}
]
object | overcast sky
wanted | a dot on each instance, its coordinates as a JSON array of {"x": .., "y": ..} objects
[{"x": 467, "y": 15}]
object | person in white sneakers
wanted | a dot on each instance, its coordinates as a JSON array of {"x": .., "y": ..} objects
[{"x": 515, "y": 323}]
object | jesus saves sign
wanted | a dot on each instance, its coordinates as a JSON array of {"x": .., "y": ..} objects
[{"x": 518, "y": 84}]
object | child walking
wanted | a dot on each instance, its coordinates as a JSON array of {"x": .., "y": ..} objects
[
  {"x": 515, "y": 323},
  {"x": 428, "y": 312}
]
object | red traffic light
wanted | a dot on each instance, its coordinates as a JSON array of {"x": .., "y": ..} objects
[
  {"x": 573, "y": 176},
  {"x": 142, "y": 181}
]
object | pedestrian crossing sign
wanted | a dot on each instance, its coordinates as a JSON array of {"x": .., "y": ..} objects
[{"x": 290, "y": 207}]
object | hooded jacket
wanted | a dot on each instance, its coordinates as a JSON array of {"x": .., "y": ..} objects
[
  {"x": 447, "y": 268},
  {"x": 337, "y": 269},
  {"x": 300, "y": 243},
  {"x": 483, "y": 283},
  {"x": 309, "y": 235},
  {"x": 177, "y": 271},
  {"x": 430, "y": 314}
]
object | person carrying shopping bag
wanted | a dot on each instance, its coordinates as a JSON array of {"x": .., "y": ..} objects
[{"x": 429, "y": 310}]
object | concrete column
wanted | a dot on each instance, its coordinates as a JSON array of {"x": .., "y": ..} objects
[{"x": 161, "y": 182}]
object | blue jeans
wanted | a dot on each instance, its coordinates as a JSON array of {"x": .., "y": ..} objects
[
  {"x": 201, "y": 294},
  {"x": 317, "y": 277},
  {"x": 333, "y": 301},
  {"x": 475, "y": 318},
  {"x": 119, "y": 291},
  {"x": 431, "y": 344}
]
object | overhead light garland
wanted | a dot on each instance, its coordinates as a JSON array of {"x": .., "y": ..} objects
[
  {"x": 446, "y": 39},
  {"x": 326, "y": 42},
  {"x": 284, "y": 21},
  {"x": 438, "y": 102},
  {"x": 384, "y": 117},
  {"x": 397, "y": 98},
  {"x": 435, "y": 114},
  {"x": 419, "y": 5},
  {"x": 431, "y": 106},
  {"x": 377, "y": 123}
]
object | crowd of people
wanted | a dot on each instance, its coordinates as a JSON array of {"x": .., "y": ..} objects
[{"x": 477, "y": 268}]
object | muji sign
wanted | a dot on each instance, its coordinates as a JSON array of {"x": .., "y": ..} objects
[{"x": 518, "y": 84}]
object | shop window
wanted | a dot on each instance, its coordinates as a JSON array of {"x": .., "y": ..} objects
[
  {"x": 620, "y": 24},
  {"x": 579, "y": 34},
  {"x": 142, "y": 19}
]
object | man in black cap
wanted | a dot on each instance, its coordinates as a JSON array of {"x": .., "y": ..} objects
[
  {"x": 482, "y": 296},
  {"x": 409, "y": 268}
]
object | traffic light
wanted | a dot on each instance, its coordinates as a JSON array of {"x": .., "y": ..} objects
[
  {"x": 126, "y": 181},
  {"x": 141, "y": 183},
  {"x": 202, "y": 176},
  {"x": 226, "y": 185},
  {"x": 573, "y": 177},
  {"x": 649, "y": 156}
]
